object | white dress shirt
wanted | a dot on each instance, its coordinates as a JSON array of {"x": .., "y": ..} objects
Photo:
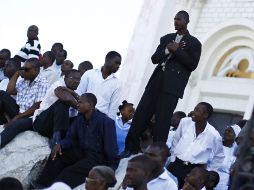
[
  {"x": 162, "y": 182},
  {"x": 49, "y": 99},
  {"x": 107, "y": 91},
  {"x": 51, "y": 73},
  {"x": 197, "y": 149},
  {"x": 171, "y": 134},
  {"x": 4, "y": 84},
  {"x": 224, "y": 169}
]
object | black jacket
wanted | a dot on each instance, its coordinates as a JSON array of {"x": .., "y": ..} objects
[{"x": 179, "y": 66}]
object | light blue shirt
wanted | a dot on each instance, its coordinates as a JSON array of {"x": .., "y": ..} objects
[{"x": 121, "y": 132}]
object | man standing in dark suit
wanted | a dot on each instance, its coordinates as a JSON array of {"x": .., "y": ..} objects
[{"x": 176, "y": 57}]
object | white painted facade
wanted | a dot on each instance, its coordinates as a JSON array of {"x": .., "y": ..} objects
[{"x": 224, "y": 27}]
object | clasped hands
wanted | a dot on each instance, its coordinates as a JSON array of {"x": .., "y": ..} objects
[{"x": 173, "y": 46}]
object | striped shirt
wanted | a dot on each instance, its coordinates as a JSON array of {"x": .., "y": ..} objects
[
  {"x": 30, "y": 93},
  {"x": 31, "y": 49}
]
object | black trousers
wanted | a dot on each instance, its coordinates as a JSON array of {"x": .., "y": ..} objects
[
  {"x": 8, "y": 106},
  {"x": 55, "y": 118},
  {"x": 180, "y": 170},
  {"x": 72, "y": 167},
  {"x": 154, "y": 101}
]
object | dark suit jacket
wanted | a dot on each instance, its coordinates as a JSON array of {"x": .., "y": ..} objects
[{"x": 179, "y": 66}]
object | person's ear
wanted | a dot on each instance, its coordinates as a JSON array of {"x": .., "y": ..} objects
[{"x": 103, "y": 185}]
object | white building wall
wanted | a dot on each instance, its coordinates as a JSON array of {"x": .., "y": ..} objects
[{"x": 220, "y": 25}]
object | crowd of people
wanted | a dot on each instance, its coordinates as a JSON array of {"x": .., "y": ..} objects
[{"x": 89, "y": 131}]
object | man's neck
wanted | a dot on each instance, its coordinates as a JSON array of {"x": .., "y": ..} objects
[
  {"x": 88, "y": 115},
  {"x": 105, "y": 72},
  {"x": 142, "y": 187},
  {"x": 228, "y": 143},
  {"x": 182, "y": 31},
  {"x": 200, "y": 127}
]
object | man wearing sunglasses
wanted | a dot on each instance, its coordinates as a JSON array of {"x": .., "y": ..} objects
[{"x": 30, "y": 91}]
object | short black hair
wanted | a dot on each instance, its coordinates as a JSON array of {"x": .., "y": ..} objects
[
  {"x": 16, "y": 63},
  {"x": 87, "y": 65},
  {"x": 58, "y": 44},
  {"x": 181, "y": 114},
  {"x": 163, "y": 148},
  {"x": 51, "y": 55},
  {"x": 35, "y": 62},
  {"x": 112, "y": 54},
  {"x": 7, "y": 53},
  {"x": 209, "y": 108},
  {"x": 70, "y": 72},
  {"x": 90, "y": 97},
  {"x": 145, "y": 163},
  {"x": 8, "y": 183},
  {"x": 214, "y": 177},
  {"x": 185, "y": 15},
  {"x": 124, "y": 103}
]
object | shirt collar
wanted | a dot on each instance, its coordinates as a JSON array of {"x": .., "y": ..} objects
[
  {"x": 109, "y": 77},
  {"x": 163, "y": 176}
]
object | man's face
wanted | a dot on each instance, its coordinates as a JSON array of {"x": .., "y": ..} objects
[
  {"x": 155, "y": 154},
  {"x": 9, "y": 69},
  {"x": 45, "y": 59},
  {"x": 92, "y": 183},
  {"x": 32, "y": 32},
  {"x": 2, "y": 60},
  {"x": 193, "y": 178},
  {"x": 199, "y": 113},
  {"x": 60, "y": 57},
  {"x": 56, "y": 49},
  {"x": 29, "y": 71},
  {"x": 175, "y": 120},
  {"x": 134, "y": 175},
  {"x": 66, "y": 66},
  {"x": 229, "y": 134},
  {"x": 180, "y": 22},
  {"x": 113, "y": 64},
  {"x": 73, "y": 80},
  {"x": 84, "y": 106}
]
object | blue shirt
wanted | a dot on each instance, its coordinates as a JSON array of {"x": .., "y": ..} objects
[
  {"x": 96, "y": 134},
  {"x": 121, "y": 133}
]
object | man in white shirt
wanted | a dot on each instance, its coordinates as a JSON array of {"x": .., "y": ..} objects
[
  {"x": 175, "y": 120},
  {"x": 48, "y": 70},
  {"x": 11, "y": 67},
  {"x": 104, "y": 84},
  {"x": 5, "y": 54},
  {"x": 195, "y": 143}
]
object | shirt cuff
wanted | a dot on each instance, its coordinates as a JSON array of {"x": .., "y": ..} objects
[{"x": 166, "y": 51}]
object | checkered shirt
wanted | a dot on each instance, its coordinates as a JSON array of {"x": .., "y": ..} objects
[{"x": 30, "y": 93}]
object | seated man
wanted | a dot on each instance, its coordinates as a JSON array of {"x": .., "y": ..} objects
[
  {"x": 11, "y": 67},
  {"x": 195, "y": 143},
  {"x": 138, "y": 172},
  {"x": 48, "y": 70},
  {"x": 85, "y": 66},
  {"x": 5, "y": 54},
  {"x": 52, "y": 118},
  {"x": 196, "y": 179},
  {"x": 30, "y": 90},
  {"x": 66, "y": 66},
  {"x": 159, "y": 153},
  {"x": 90, "y": 141},
  {"x": 213, "y": 180}
]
